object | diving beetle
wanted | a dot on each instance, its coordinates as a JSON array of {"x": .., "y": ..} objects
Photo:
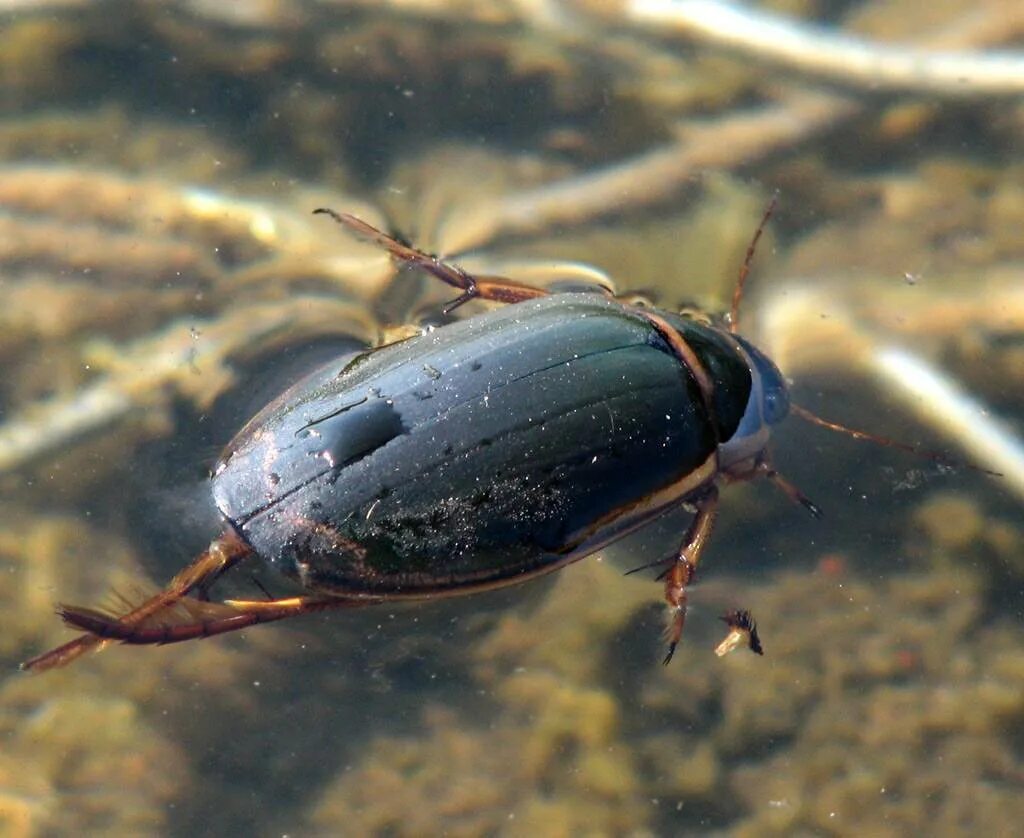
[{"x": 475, "y": 455}]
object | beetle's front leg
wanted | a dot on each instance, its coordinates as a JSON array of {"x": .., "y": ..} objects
[
  {"x": 496, "y": 288},
  {"x": 683, "y": 568}
]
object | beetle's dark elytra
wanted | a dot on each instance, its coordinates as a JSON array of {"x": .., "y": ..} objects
[{"x": 478, "y": 452}]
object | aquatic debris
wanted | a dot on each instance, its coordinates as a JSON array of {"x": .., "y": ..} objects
[{"x": 742, "y": 632}]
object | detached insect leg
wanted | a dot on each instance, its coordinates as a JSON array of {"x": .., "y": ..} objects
[
  {"x": 210, "y": 619},
  {"x": 682, "y": 571},
  {"x": 495, "y": 288},
  {"x": 223, "y": 553}
]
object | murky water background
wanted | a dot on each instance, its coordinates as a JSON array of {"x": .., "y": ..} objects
[{"x": 161, "y": 276}]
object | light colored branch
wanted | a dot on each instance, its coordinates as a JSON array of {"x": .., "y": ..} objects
[
  {"x": 188, "y": 359},
  {"x": 833, "y": 55},
  {"x": 648, "y": 178}
]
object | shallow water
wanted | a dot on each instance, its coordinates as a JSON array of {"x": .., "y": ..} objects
[{"x": 162, "y": 277}]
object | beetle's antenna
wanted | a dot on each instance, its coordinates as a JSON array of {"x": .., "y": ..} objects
[
  {"x": 934, "y": 456},
  {"x": 741, "y": 280}
]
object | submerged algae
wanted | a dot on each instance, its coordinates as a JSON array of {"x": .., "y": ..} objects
[{"x": 84, "y": 765}]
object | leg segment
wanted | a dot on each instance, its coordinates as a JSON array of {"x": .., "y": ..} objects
[
  {"x": 222, "y": 554},
  {"x": 683, "y": 568},
  {"x": 494, "y": 288},
  {"x": 761, "y": 466},
  {"x": 791, "y": 491},
  {"x": 210, "y": 619}
]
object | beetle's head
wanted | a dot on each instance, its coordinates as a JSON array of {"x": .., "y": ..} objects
[{"x": 767, "y": 405}]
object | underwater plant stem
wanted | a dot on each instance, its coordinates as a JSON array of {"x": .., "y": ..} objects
[{"x": 835, "y": 55}]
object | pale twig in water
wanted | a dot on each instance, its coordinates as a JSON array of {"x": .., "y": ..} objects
[
  {"x": 817, "y": 328},
  {"x": 651, "y": 177},
  {"x": 835, "y": 55},
  {"x": 188, "y": 359},
  {"x": 946, "y": 405}
]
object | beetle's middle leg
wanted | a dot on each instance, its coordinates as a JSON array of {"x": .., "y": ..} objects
[
  {"x": 496, "y": 288},
  {"x": 684, "y": 566}
]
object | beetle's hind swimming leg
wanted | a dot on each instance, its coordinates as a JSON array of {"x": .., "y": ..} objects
[
  {"x": 202, "y": 619},
  {"x": 495, "y": 288},
  {"x": 223, "y": 553},
  {"x": 684, "y": 567}
]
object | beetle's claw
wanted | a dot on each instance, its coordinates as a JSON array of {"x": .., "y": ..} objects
[
  {"x": 460, "y": 300},
  {"x": 812, "y": 507}
]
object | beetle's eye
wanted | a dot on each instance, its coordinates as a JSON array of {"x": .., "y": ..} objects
[
  {"x": 774, "y": 392},
  {"x": 776, "y": 401}
]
